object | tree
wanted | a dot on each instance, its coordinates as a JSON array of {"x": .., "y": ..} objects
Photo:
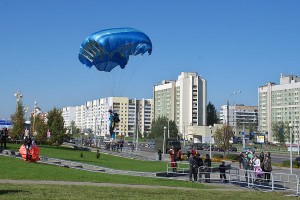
[
  {"x": 223, "y": 136},
  {"x": 281, "y": 131},
  {"x": 40, "y": 128},
  {"x": 56, "y": 126},
  {"x": 157, "y": 130},
  {"x": 212, "y": 117},
  {"x": 18, "y": 121}
]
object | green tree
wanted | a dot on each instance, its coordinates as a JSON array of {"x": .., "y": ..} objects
[
  {"x": 18, "y": 121},
  {"x": 212, "y": 117},
  {"x": 223, "y": 136},
  {"x": 40, "y": 128},
  {"x": 281, "y": 131},
  {"x": 157, "y": 130},
  {"x": 56, "y": 126}
]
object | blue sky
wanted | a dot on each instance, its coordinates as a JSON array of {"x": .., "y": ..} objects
[{"x": 233, "y": 44}]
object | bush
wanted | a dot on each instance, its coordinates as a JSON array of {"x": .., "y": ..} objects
[
  {"x": 232, "y": 156},
  {"x": 217, "y": 155},
  {"x": 286, "y": 163}
]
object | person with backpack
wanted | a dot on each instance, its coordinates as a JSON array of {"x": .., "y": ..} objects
[{"x": 113, "y": 120}]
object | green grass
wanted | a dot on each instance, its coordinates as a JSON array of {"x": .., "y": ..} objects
[
  {"x": 105, "y": 160},
  {"x": 118, "y": 193},
  {"x": 17, "y": 169}
]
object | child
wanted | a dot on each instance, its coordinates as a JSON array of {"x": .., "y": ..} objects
[{"x": 222, "y": 169}]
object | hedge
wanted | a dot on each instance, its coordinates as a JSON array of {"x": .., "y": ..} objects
[
  {"x": 217, "y": 155},
  {"x": 232, "y": 156}
]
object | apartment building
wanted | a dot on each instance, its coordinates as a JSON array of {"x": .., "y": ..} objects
[
  {"x": 242, "y": 118},
  {"x": 135, "y": 115},
  {"x": 182, "y": 100},
  {"x": 279, "y": 103}
]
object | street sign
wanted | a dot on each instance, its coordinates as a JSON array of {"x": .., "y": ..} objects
[
  {"x": 260, "y": 139},
  {"x": 243, "y": 133}
]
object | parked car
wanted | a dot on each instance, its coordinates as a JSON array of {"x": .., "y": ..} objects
[
  {"x": 130, "y": 143},
  {"x": 232, "y": 149},
  {"x": 219, "y": 149}
]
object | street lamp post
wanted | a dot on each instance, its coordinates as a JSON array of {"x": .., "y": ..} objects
[
  {"x": 291, "y": 153},
  {"x": 237, "y": 92},
  {"x": 168, "y": 129},
  {"x": 297, "y": 126},
  {"x": 164, "y": 139},
  {"x": 34, "y": 110},
  {"x": 210, "y": 127}
]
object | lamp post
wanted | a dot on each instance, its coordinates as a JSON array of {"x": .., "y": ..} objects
[
  {"x": 210, "y": 127},
  {"x": 291, "y": 153},
  {"x": 34, "y": 110},
  {"x": 168, "y": 129},
  {"x": 297, "y": 126},
  {"x": 237, "y": 92},
  {"x": 164, "y": 139},
  {"x": 19, "y": 96}
]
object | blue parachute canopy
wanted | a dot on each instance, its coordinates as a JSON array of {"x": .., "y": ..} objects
[{"x": 109, "y": 48}]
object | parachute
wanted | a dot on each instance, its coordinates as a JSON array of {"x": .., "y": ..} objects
[
  {"x": 109, "y": 48},
  {"x": 30, "y": 153}
]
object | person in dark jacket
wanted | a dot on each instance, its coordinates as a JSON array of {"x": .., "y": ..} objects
[
  {"x": 222, "y": 169},
  {"x": 4, "y": 135},
  {"x": 262, "y": 158},
  {"x": 28, "y": 144},
  {"x": 195, "y": 163},
  {"x": 268, "y": 168},
  {"x": 240, "y": 159},
  {"x": 159, "y": 154},
  {"x": 207, "y": 168}
]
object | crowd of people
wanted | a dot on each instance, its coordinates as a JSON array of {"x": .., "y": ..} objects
[
  {"x": 259, "y": 164},
  {"x": 257, "y": 167}
]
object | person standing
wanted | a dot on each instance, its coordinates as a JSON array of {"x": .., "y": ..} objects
[
  {"x": 246, "y": 166},
  {"x": 195, "y": 163},
  {"x": 240, "y": 158},
  {"x": 3, "y": 137},
  {"x": 173, "y": 161},
  {"x": 267, "y": 168},
  {"x": 207, "y": 169},
  {"x": 159, "y": 153},
  {"x": 26, "y": 133},
  {"x": 179, "y": 155},
  {"x": 222, "y": 169}
]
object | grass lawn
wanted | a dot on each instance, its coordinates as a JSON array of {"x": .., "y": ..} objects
[
  {"x": 17, "y": 169},
  {"x": 109, "y": 161},
  {"x": 118, "y": 193}
]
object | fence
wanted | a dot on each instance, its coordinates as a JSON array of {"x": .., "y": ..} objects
[
  {"x": 267, "y": 181},
  {"x": 178, "y": 167}
]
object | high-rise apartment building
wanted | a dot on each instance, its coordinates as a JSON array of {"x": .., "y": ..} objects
[
  {"x": 182, "y": 100},
  {"x": 241, "y": 118},
  {"x": 135, "y": 115},
  {"x": 279, "y": 103}
]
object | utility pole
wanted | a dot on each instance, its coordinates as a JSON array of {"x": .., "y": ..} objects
[{"x": 168, "y": 129}]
